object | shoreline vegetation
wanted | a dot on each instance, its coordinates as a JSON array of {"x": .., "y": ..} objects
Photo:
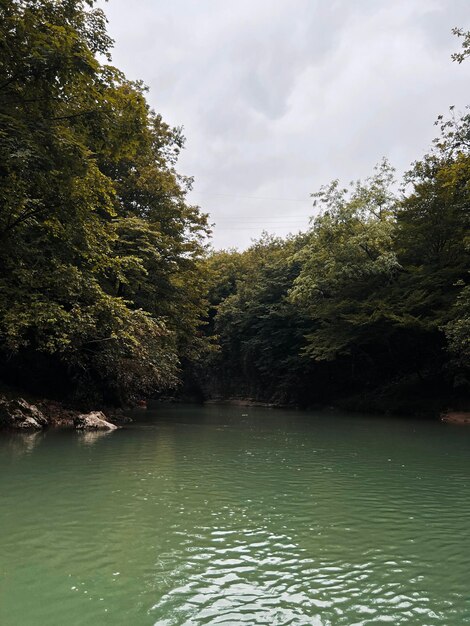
[{"x": 110, "y": 292}]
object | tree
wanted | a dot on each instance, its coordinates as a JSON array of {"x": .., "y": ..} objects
[
  {"x": 465, "y": 51},
  {"x": 98, "y": 253},
  {"x": 258, "y": 332},
  {"x": 347, "y": 263}
]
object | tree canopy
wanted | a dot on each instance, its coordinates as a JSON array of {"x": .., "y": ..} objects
[{"x": 98, "y": 243}]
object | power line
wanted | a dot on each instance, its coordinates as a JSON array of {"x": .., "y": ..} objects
[
  {"x": 226, "y": 195},
  {"x": 255, "y": 224},
  {"x": 285, "y": 218},
  {"x": 253, "y": 227}
]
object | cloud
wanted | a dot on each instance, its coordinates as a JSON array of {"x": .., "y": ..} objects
[{"x": 278, "y": 97}]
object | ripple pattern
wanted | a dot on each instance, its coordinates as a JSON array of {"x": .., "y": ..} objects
[{"x": 197, "y": 517}]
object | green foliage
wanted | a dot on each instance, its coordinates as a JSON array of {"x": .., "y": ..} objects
[
  {"x": 372, "y": 300},
  {"x": 465, "y": 51},
  {"x": 259, "y": 332},
  {"x": 458, "y": 334},
  {"x": 433, "y": 224},
  {"x": 98, "y": 247},
  {"x": 347, "y": 262}
]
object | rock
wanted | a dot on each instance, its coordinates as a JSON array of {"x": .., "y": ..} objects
[
  {"x": 20, "y": 414},
  {"x": 120, "y": 419},
  {"x": 96, "y": 420},
  {"x": 57, "y": 414},
  {"x": 456, "y": 417}
]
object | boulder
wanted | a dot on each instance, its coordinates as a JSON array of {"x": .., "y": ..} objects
[
  {"x": 20, "y": 414},
  {"x": 456, "y": 417},
  {"x": 96, "y": 420}
]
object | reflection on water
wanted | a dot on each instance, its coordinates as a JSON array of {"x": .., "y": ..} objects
[
  {"x": 90, "y": 437},
  {"x": 199, "y": 516},
  {"x": 21, "y": 442}
]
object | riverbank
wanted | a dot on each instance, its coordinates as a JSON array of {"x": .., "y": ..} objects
[
  {"x": 385, "y": 401},
  {"x": 20, "y": 410},
  {"x": 407, "y": 396}
]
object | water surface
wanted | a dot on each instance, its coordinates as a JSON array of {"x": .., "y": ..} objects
[{"x": 223, "y": 515}]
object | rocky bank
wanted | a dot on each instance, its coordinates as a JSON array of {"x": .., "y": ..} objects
[{"x": 20, "y": 414}]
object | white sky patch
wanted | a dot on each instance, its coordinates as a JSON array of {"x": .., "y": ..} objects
[{"x": 278, "y": 97}]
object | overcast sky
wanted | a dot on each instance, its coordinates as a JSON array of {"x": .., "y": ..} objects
[{"x": 278, "y": 97}]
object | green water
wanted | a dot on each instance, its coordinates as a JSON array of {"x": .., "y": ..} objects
[{"x": 195, "y": 516}]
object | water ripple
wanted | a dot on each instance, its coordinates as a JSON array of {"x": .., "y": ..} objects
[{"x": 201, "y": 516}]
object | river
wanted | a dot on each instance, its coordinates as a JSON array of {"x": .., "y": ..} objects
[{"x": 230, "y": 515}]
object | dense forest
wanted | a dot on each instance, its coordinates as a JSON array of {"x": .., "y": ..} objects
[
  {"x": 110, "y": 292},
  {"x": 101, "y": 295},
  {"x": 369, "y": 308}
]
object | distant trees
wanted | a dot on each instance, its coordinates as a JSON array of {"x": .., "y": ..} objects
[
  {"x": 258, "y": 332},
  {"x": 371, "y": 303},
  {"x": 347, "y": 265},
  {"x": 98, "y": 245}
]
